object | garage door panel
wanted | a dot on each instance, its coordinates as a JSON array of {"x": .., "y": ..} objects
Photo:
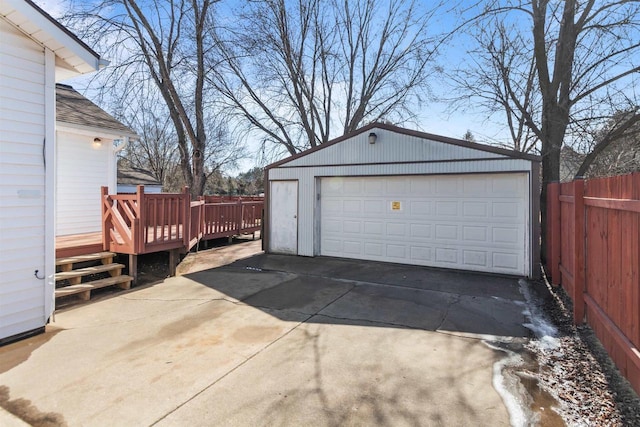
[
  {"x": 505, "y": 260},
  {"x": 421, "y": 186},
  {"x": 472, "y": 186},
  {"x": 420, "y": 208},
  {"x": 352, "y": 247},
  {"x": 351, "y": 227},
  {"x": 475, "y": 258},
  {"x": 373, "y": 207},
  {"x": 506, "y": 235},
  {"x": 446, "y": 232},
  {"x": 447, "y": 186},
  {"x": 421, "y": 253},
  {"x": 395, "y": 229},
  {"x": 474, "y": 233},
  {"x": 461, "y": 223},
  {"x": 475, "y": 209},
  {"x": 374, "y": 249},
  {"x": 447, "y": 256},
  {"x": 506, "y": 210},
  {"x": 421, "y": 230},
  {"x": 374, "y": 228},
  {"x": 396, "y": 251}
]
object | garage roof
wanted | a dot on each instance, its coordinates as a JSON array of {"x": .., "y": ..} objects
[{"x": 416, "y": 146}]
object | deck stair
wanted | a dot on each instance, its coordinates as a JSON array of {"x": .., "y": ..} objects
[{"x": 82, "y": 274}]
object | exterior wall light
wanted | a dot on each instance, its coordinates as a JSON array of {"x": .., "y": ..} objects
[
  {"x": 97, "y": 142},
  {"x": 372, "y": 138}
]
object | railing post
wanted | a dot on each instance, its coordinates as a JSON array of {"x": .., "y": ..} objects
[
  {"x": 106, "y": 222},
  {"x": 553, "y": 232},
  {"x": 240, "y": 216},
  {"x": 186, "y": 222},
  {"x": 579, "y": 264},
  {"x": 140, "y": 229}
]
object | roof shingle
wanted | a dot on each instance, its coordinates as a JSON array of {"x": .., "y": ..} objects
[{"x": 75, "y": 109}]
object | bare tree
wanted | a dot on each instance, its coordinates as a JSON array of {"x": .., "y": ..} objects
[
  {"x": 584, "y": 58},
  {"x": 156, "y": 149},
  {"x": 616, "y": 149},
  {"x": 164, "y": 43},
  {"x": 297, "y": 71},
  {"x": 501, "y": 80}
]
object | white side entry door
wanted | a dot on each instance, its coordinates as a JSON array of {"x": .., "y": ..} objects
[{"x": 283, "y": 218}]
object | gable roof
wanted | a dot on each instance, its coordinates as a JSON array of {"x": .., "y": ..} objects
[
  {"x": 74, "y": 109},
  {"x": 136, "y": 176},
  {"x": 412, "y": 133},
  {"x": 73, "y": 55}
]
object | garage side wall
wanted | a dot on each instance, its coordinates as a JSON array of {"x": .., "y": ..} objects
[{"x": 307, "y": 177}]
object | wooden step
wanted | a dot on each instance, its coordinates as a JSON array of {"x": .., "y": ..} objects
[
  {"x": 114, "y": 269},
  {"x": 84, "y": 258},
  {"x": 84, "y": 289}
]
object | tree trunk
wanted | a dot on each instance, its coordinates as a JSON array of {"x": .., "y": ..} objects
[{"x": 554, "y": 124}]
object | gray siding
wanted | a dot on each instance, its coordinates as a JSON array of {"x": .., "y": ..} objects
[{"x": 390, "y": 147}]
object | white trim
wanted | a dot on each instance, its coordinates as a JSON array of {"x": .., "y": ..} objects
[
  {"x": 50, "y": 177},
  {"x": 94, "y": 131},
  {"x": 40, "y": 28}
]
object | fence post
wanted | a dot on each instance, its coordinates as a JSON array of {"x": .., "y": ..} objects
[
  {"x": 579, "y": 252},
  {"x": 553, "y": 233}
]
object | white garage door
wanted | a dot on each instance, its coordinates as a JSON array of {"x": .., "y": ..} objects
[{"x": 470, "y": 222}]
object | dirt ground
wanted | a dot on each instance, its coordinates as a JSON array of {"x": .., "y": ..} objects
[{"x": 580, "y": 375}]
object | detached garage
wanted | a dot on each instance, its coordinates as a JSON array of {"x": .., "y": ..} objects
[{"x": 390, "y": 194}]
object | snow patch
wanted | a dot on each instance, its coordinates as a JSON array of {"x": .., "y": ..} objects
[
  {"x": 538, "y": 323},
  {"x": 505, "y": 385}
]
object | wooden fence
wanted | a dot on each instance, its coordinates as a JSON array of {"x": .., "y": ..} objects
[
  {"x": 142, "y": 223},
  {"x": 593, "y": 251}
]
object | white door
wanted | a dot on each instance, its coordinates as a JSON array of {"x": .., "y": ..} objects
[
  {"x": 469, "y": 222},
  {"x": 283, "y": 218}
]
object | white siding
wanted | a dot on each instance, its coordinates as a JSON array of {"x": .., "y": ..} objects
[
  {"x": 389, "y": 147},
  {"x": 22, "y": 183},
  {"x": 82, "y": 168},
  {"x": 307, "y": 177}
]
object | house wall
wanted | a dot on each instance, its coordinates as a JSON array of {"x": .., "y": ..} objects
[
  {"x": 25, "y": 120},
  {"x": 82, "y": 169}
]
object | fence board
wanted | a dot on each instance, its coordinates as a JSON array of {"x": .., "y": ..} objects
[{"x": 610, "y": 239}]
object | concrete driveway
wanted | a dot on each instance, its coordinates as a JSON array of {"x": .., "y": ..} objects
[{"x": 273, "y": 340}]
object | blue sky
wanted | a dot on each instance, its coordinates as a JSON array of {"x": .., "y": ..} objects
[{"x": 433, "y": 117}]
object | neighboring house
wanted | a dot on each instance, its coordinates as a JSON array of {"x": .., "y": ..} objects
[
  {"x": 570, "y": 161},
  {"x": 35, "y": 52},
  {"x": 385, "y": 193},
  {"x": 86, "y": 160},
  {"x": 129, "y": 178}
]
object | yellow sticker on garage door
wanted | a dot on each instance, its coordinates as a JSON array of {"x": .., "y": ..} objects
[{"x": 396, "y": 206}]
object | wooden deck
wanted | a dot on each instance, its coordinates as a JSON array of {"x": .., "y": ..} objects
[
  {"x": 140, "y": 223},
  {"x": 78, "y": 244}
]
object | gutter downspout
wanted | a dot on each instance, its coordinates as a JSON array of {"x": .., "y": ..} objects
[
  {"x": 122, "y": 146},
  {"x": 114, "y": 167}
]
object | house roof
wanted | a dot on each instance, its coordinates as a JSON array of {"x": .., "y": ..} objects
[
  {"x": 136, "y": 176},
  {"x": 413, "y": 133},
  {"x": 74, "y": 109},
  {"x": 73, "y": 56}
]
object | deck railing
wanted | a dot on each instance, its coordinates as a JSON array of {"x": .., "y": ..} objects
[{"x": 143, "y": 223}]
